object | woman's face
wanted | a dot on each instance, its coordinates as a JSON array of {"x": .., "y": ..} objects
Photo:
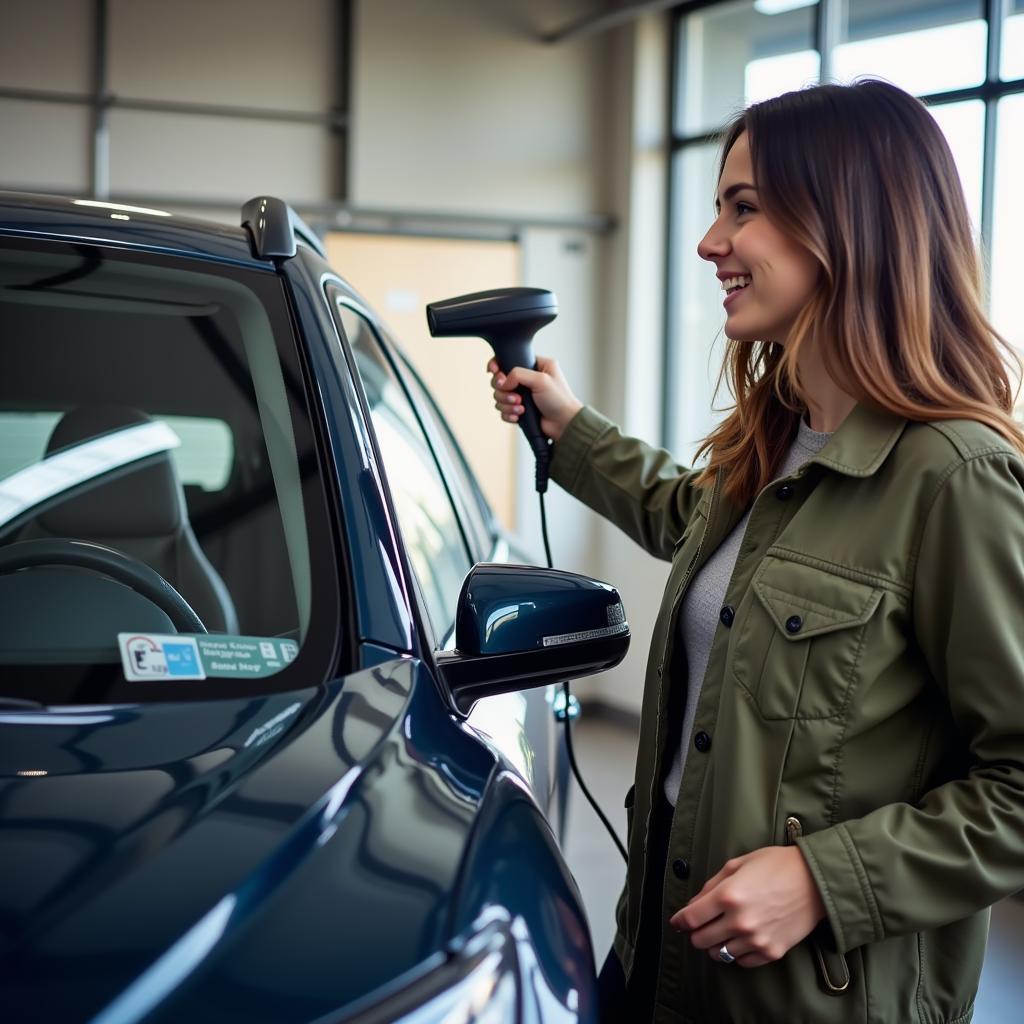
[{"x": 778, "y": 276}]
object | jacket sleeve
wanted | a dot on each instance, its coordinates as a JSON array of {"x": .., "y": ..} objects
[
  {"x": 907, "y": 867},
  {"x": 640, "y": 489}
]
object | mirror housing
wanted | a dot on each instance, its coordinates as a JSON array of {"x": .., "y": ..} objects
[{"x": 520, "y": 626}]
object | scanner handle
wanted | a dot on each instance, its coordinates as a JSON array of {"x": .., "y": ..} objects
[{"x": 509, "y": 355}]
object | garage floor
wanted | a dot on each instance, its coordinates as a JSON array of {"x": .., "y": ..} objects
[{"x": 605, "y": 751}]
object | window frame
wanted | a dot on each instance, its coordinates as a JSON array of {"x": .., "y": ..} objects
[
  {"x": 827, "y": 17},
  {"x": 439, "y": 635}
]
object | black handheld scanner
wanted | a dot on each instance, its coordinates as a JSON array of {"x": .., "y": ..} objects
[{"x": 506, "y": 318}]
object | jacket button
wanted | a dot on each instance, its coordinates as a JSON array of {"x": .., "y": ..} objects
[
  {"x": 784, "y": 493},
  {"x": 727, "y": 615},
  {"x": 681, "y": 868},
  {"x": 793, "y": 624},
  {"x": 702, "y": 741}
]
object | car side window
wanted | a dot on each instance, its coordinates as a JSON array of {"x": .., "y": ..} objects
[
  {"x": 474, "y": 512},
  {"x": 427, "y": 519}
]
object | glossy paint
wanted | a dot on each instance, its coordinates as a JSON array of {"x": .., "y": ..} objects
[
  {"x": 217, "y": 867},
  {"x": 54, "y": 217},
  {"x": 509, "y": 608},
  {"x": 294, "y": 857},
  {"x": 165, "y": 814}
]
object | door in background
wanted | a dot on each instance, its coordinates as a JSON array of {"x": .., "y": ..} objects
[{"x": 398, "y": 275}]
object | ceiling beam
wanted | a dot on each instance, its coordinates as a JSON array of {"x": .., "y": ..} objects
[{"x": 591, "y": 23}]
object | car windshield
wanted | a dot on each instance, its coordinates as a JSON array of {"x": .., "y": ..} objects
[{"x": 151, "y": 501}]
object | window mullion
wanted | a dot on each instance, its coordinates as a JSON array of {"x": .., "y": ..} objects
[
  {"x": 995, "y": 11},
  {"x": 988, "y": 175},
  {"x": 670, "y": 344},
  {"x": 100, "y": 128},
  {"x": 829, "y": 21}
]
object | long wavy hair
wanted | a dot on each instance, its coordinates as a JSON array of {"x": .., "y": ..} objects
[{"x": 861, "y": 176}]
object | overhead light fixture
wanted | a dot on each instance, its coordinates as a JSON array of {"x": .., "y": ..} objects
[{"x": 781, "y": 6}]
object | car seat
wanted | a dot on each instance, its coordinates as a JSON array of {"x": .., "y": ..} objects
[{"x": 140, "y": 511}]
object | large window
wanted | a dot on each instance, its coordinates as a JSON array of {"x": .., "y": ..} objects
[{"x": 966, "y": 63}]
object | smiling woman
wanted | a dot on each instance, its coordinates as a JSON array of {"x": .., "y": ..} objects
[
  {"x": 843, "y": 306},
  {"x": 830, "y": 751}
]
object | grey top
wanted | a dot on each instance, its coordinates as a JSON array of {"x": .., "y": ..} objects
[{"x": 698, "y": 616}]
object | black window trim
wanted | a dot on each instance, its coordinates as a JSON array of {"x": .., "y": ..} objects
[{"x": 336, "y": 294}]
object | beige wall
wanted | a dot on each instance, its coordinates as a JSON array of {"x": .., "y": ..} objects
[{"x": 457, "y": 105}]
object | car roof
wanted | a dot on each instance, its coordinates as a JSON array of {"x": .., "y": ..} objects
[{"x": 27, "y": 214}]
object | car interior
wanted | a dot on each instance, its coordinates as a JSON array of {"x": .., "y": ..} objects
[{"x": 96, "y": 348}]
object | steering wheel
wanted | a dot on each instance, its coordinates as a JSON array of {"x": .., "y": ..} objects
[{"x": 110, "y": 562}]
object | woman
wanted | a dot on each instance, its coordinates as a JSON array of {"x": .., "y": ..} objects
[{"x": 829, "y": 789}]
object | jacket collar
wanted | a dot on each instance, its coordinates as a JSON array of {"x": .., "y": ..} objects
[
  {"x": 859, "y": 446},
  {"x": 862, "y": 442}
]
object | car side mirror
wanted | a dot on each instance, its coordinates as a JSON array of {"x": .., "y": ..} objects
[{"x": 520, "y": 626}]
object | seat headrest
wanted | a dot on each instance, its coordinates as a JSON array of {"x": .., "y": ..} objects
[{"x": 143, "y": 499}]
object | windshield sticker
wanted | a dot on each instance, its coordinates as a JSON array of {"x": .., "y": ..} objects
[
  {"x": 152, "y": 656},
  {"x": 146, "y": 657}
]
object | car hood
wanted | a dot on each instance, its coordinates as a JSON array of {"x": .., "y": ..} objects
[{"x": 159, "y": 857}]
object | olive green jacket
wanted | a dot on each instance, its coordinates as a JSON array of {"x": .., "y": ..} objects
[{"x": 864, "y": 698}]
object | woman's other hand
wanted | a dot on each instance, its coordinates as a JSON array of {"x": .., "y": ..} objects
[
  {"x": 554, "y": 399},
  {"x": 759, "y": 905}
]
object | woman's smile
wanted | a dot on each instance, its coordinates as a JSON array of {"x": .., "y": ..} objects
[{"x": 734, "y": 287}]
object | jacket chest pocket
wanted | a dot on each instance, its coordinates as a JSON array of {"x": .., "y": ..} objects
[{"x": 799, "y": 638}]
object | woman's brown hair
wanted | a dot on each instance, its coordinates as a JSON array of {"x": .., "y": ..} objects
[{"x": 861, "y": 176}]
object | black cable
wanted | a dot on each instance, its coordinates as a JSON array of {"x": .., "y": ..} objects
[
  {"x": 568, "y": 718},
  {"x": 544, "y": 531},
  {"x": 541, "y": 468}
]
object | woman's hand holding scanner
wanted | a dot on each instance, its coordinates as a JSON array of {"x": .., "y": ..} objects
[
  {"x": 552, "y": 395},
  {"x": 759, "y": 905}
]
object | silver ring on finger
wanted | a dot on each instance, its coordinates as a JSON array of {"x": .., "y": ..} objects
[{"x": 725, "y": 956}]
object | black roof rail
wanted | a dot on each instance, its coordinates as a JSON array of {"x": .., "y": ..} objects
[{"x": 275, "y": 229}]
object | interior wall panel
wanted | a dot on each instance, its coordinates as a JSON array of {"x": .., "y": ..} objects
[
  {"x": 251, "y": 53},
  {"x": 183, "y": 155},
  {"x": 60, "y": 130},
  {"x": 46, "y": 44}
]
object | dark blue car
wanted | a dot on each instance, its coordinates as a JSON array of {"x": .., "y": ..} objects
[{"x": 277, "y": 714}]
